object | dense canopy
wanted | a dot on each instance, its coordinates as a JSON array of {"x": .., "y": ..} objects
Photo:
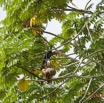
[{"x": 69, "y": 68}]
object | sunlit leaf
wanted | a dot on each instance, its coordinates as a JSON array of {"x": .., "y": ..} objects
[
  {"x": 36, "y": 31},
  {"x": 33, "y": 21},
  {"x": 2, "y": 59},
  {"x": 23, "y": 84},
  {"x": 37, "y": 72},
  {"x": 54, "y": 63}
]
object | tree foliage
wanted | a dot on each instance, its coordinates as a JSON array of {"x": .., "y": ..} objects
[{"x": 79, "y": 75}]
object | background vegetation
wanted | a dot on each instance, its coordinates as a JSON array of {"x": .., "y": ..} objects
[{"x": 79, "y": 75}]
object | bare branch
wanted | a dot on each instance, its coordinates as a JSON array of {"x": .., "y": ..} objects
[
  {"x": 73, "y": 4},
  {"x": 78, "y": 10},
  {"x": 54, "y": 35},
  {"x": 87, "y": 4}
]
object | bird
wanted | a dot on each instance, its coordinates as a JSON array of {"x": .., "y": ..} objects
[
  {"x": 46, "y": 58},
  {"x": 46, "y": 68}
]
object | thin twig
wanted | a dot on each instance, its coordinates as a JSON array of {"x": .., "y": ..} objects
[
  {"x": 97, "y": 62},
  {"x": 73, "y": 4},
  {"x": 54, "y": 35},
  {"x": 102, "y": 85},
  {"x": 52, "y": 91},
  {"x": 84, "y": 77},
  {"x": 79, "y": 10},
  {"x": 80, "y": 62},
  {"x": 70, "y": 76},
  {"x": 46, "y": 41},
  {"x": 69, "y": 64},
  {"x": 86, "y": 91},
  {"x": 87, "y": 4},
  {"x": 30, "y": 72},
  {"x": 100, "y": 50},
  {"x": 89, "y": 33}
]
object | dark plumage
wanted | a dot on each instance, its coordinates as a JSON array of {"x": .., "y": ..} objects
[
  {"x": 48, "y": 54},
  {"x": 46, "y": 57}
]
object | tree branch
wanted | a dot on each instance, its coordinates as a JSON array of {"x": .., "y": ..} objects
[
  {"x": 84, "y": 77},
  {"x": 19, "y": 66},
  {"x": 69, "y": 76},
  {"x": 87, "y": 4},
  {"x": 54, "y": 35},
  {"x": 72, "y": 9},
  {"x": 89, "y": 33},
  {"x": 80, "y": 62},
  {"x": 100, "y": 50},
  {"x": 86, "y": 91},
  {"x": 79, "y": 10},
  {"x": 102, "y": 85},
  {"x": 53, "y": 90},
  {"x": 97, "y": 62},
  {"x": 46, "y": 41}
]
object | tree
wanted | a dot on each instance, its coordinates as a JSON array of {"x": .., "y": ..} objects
[{"x": 79, "y": 75}]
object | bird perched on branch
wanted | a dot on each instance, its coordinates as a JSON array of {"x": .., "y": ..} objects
[
  {"x": 46, "y": 58},
  {"x": 46, "y": 67}
]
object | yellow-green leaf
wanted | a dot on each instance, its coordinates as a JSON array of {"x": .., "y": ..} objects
[
  {"x": 55, "y": 63},
  {"x": 2, "y": 59},
  {"x": 36, "y": 31},
  {"x": 36, "y": 72},
  {"x": 33, "y": 20},
  {"x": 23, "y": 84}
]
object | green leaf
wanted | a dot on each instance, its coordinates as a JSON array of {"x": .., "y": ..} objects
[{"x": 2, "y": 59}]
